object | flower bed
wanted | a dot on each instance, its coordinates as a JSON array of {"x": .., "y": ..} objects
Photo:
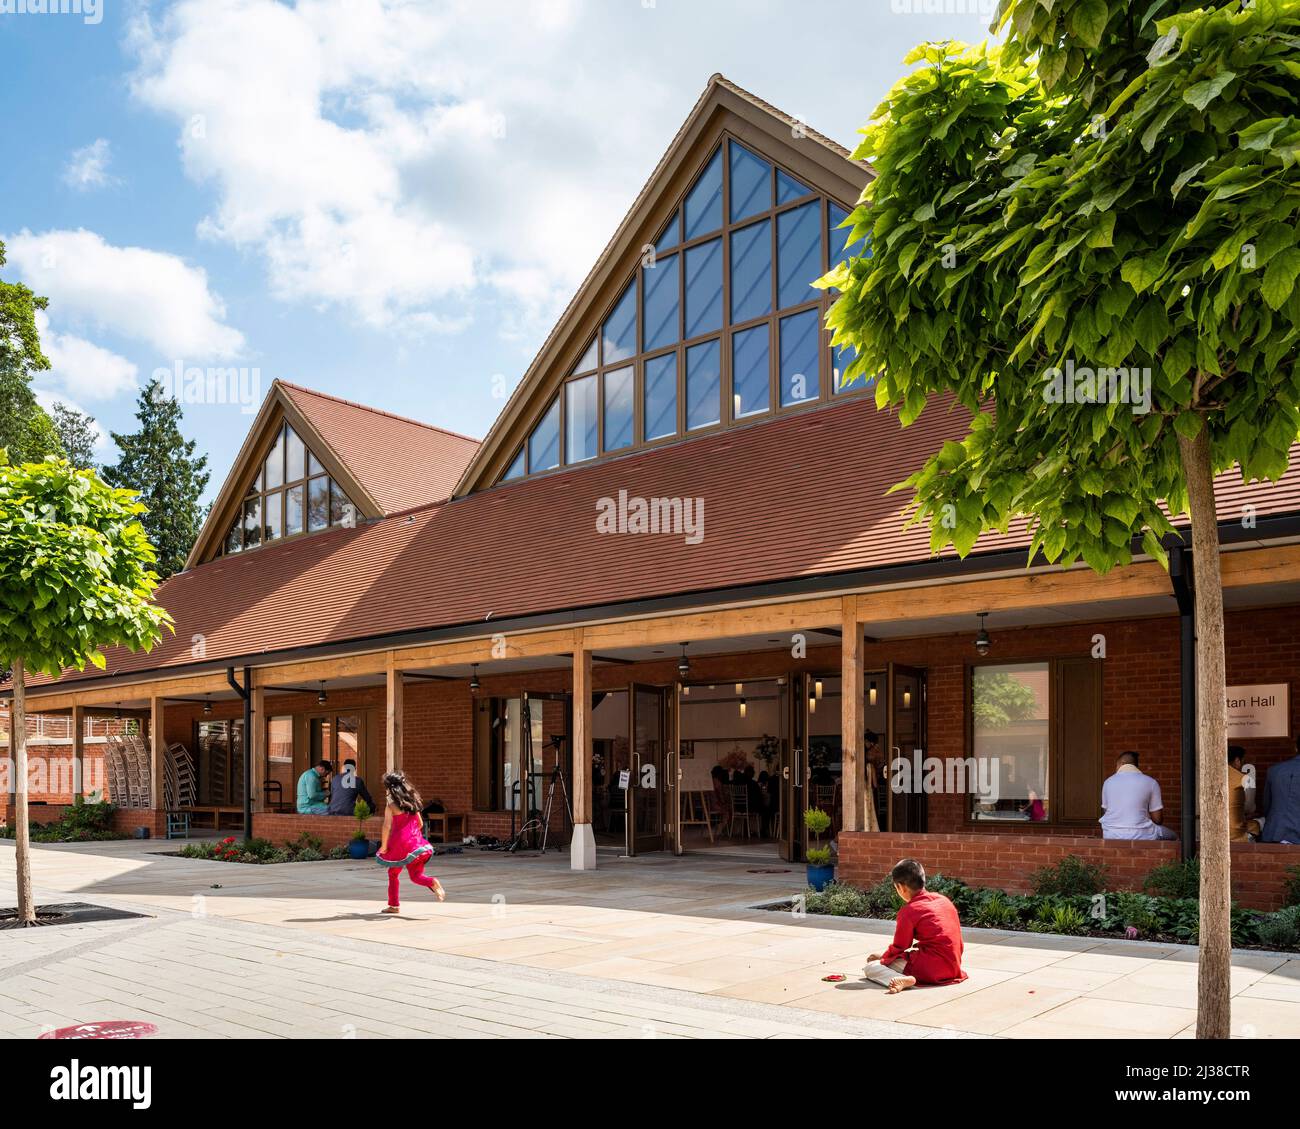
[
  {"x": 1071, "y": 899},
  {"x": 81, "y": 822},
  {"x": 262, "y": 852}
]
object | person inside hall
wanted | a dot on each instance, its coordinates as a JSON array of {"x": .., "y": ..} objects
[
  {"x": 927, "y": 943},
  {"x": 1242, "y": 823},
  {"x": 1131, "y": 804},
  {"x": 346, "y": 788},
  {"x": 311, "y": 792},
  {"x": 1280, "y": 803}
]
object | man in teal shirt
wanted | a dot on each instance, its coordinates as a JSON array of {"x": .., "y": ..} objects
[{"x": 311, "y": 795}]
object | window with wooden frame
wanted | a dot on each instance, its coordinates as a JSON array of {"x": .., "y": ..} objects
[
  {"x": 1035, "y": 731},
  {"x": 290, "y": 495},
  {"x": 719, "y": 324}
]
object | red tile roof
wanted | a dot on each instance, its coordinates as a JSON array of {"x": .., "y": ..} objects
[
  {"x": 401, "y": 462},
  {"x": 799, "y": 496}
]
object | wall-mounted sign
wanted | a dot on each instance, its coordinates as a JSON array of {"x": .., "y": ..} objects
[{"x": 1259, "y": 711}]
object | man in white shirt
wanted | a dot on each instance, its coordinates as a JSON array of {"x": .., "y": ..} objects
[{"x": 1131, "y": 804}]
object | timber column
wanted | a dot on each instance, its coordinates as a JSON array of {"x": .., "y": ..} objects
[
  {"x": 853, "y": 772},
  {"x": 582, "y": 850}
]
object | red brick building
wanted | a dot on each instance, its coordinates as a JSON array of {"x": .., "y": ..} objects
[{"x": 676, "y": 555}]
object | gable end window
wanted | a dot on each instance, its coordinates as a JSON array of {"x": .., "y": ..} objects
[{"x": 291, "y": 494}]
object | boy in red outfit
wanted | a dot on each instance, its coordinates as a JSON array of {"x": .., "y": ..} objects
[{"x": 927, "y": 937}]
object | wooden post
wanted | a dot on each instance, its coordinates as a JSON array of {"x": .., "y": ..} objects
[
  {"x": 853, "y": 773},
  {"x": 582, "y": 850},
  {"x": 393, "y": 733},
  {"x": 157, "y": 752},
  {"x": 79, "y": 752},
  {"x": 257, "y": 747}
]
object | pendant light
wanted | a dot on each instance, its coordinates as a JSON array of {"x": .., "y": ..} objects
[
  {"x": 817, "y": 689},
  {"x": 907, "y": 699},
  {"x": 683, "y": 664},
  {"x": 871, "y": 693},
  {"x": 320, "y": 698},
  {"x": 740, "y": 688},
  {"x": 473, "y": 681},
  {"x": 983, "y": 644},
  {"x": 812, "y": 703},
  {"x": 207, "y": 707},
  {"x": 742, "y": 707}
]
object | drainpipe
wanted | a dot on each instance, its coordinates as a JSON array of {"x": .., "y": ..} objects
[
  {"x": 244, "y": 692},
  {"x": 1180, "y": 576}
]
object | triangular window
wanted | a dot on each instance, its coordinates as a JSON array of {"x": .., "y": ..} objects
[{"x": 291, "y": 494}]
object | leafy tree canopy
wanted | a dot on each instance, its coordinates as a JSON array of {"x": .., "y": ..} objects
[
  {"x": 74, "y": 569},
  {"x": 1114, "y": 188},
  {"x": 76, "y": 432},
  {"x": 26, "y": 432},
  {"x": 159, "y": 464}
]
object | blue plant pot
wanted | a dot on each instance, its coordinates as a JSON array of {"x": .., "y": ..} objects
[
  {"x": 820, "y": 876},
  {"x": 358, "y": 849}
]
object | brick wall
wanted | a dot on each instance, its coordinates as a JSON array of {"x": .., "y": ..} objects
[
  {"x": 1003, "y": 861},
  {"x": 332, "y": 830},
  {"x": 125, "y": 820},
  {"x": 1008, "y": 862}
]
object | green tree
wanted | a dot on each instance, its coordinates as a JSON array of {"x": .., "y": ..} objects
[
  {"x": 76, "y": 432},
  {"x": 74, "y": 578},
  {"x": 1001, "y": 699},
  {"x": 26, "y": 431},
  {"x": 159, "y": 464},
  {"x": 1113, "y": 191}
]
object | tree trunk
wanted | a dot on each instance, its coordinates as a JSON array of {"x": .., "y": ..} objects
[
  {"x": 22, "y": 836},
  {"x": 1213, "y": 1000}
]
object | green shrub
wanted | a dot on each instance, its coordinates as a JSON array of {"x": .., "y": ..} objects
[
  {"x": 1175, "y": 880},
  {"x": 339, "y": 853},
  {"x": 306, "y": 841},
  {"x": 819, "y": 856},
  {"x": 1069, "y": 877},
  {"x": 1180, "y": 918},
  {"x": 1278, "y": 931},
  {"x": 1135, "y": 911},
  {"x": 1055, "y": 917},
  {"x": 309, "y": 854},
  {"x": 279, "y": 854},
  {"x": 997, "y": 913}
]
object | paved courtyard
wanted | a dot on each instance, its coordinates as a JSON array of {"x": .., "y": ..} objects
[{"x": 649, "y": 948}]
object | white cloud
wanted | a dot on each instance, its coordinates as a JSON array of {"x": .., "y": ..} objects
[
  {"x": 81, "y": 369},
  {"x": 151, "y": 296},
  {"x": 397, "y": 160},
  {"x": 411, "y": 163},
  {"x": 87, "y": 167}
]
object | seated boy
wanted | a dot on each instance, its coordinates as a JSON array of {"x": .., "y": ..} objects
[{"x": 927, "y": 937}]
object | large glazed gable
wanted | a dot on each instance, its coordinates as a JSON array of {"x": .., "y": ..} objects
[{"x": 729, "y": 134}]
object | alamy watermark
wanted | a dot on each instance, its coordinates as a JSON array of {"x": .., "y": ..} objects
[
  {"x": 90, "y": 11},
  {"x": 983, "y": 8},
  {"x": 190, "y": 385},
  {"x": 1084, "y": 385},
  {"x": 682, "y": 517},
  {"x": 922, "y": 775}
]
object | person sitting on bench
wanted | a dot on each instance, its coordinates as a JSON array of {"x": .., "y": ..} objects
[
  {"x": 311, "y": 793},
  {"x": 927, "y": 942},
  {"x": 346, "y": 789}
]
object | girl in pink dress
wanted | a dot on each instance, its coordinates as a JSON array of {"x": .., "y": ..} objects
[{"x": 402, "y": 843}]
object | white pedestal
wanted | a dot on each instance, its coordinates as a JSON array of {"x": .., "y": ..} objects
[{"x": 582, "y": 851}]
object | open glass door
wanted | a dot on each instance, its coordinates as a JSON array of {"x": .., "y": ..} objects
[
  {"x": 794, "y": 773},
  {"x": 673, "y": 769},
  {"x": 905, "y": 733},
  {"x": 645, "y": 789}
]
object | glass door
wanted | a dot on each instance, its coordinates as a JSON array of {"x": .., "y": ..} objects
[
  {"x": 905, "y": 732},
  {"x": 794, "y": 772},
  {"x": 645, "y": 785}
]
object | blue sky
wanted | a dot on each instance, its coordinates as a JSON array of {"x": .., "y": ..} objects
[{"x": 390, "y": 202}]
